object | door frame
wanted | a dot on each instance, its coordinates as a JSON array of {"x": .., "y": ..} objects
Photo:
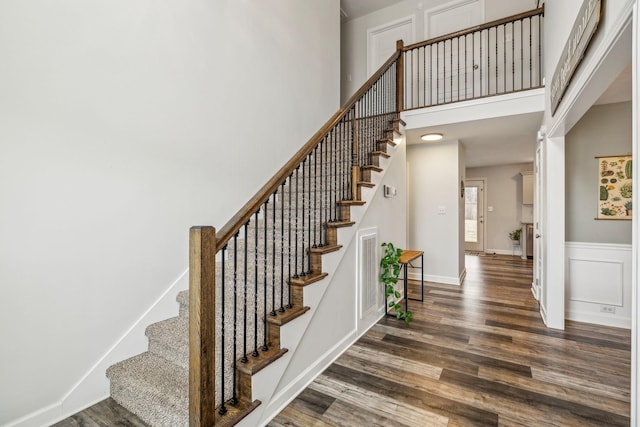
[{"x": 484, "y": 210}]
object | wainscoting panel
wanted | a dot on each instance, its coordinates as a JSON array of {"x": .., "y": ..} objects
[{"x": 598, "y": 283}]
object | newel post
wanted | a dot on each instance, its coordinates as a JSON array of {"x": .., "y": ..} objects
[
  {"x": 202, "y": 335},
  {"x": 400, "y": 77}
]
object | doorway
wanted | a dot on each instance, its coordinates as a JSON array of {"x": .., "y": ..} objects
[{"x": 474, "y": 216}]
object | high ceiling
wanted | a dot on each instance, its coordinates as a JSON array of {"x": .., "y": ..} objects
[{"x": 490, "y": 142}]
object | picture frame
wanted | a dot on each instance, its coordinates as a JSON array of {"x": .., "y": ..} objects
[{"x": 615, "y": 191}]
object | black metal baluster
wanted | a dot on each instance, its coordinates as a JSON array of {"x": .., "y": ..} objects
[
  {"x": 304, "y": 207},
  {"x": 539, "y": 50},
  {"x": 504, "y": 58},
  {"x": 513, "y": 56},
  {"x": 234, "y": 399},
  {"x": 273, "y": 255},
  {"x": 296, "y": 275},
  {"x": 521, "y": 56},
  {"x": 265, "y": 347},
  {"x": 473, "y": 48},
  {"x": 282, "y": 280},
  {"x": 323, "y": 177},
  {"x": 466, "y": 67},
  {"x": 496, "y": 60},
  {"x": 289, "y": 237},
  {"x": 315, "y": 197},
  {"x": 244, "y": 300},
  {"x": 255, "y": 284},
  {"x": 451, "y": 70},
  {"x": 530, "y": 55},
  {"x": 437, "y": 73},
  {"x": 223, "y": 409},
  {"x": 307, "y": 247}
]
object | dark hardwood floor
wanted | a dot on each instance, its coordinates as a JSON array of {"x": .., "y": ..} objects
[{"x": 474, "y": 355}]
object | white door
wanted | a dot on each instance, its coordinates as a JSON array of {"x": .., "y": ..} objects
[
  {"x": 381, "y": 41},
  {"x": 451, "y": 68},
  {"x": 538, "y": 221},
  {"x": 452, "y": 17},
  {"x": 474, "y": 215}
]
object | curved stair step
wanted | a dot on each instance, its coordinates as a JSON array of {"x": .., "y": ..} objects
[{"x": 153, "y": 388}]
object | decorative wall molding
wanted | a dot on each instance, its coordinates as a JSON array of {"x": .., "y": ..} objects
[{"x": 598, "y": 283}]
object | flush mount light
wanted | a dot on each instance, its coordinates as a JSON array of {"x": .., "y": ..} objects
[{"x": 431, "y": 137}]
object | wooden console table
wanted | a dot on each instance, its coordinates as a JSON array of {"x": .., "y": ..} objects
[{"x": 407, "y": 256}]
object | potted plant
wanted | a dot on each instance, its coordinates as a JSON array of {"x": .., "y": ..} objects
[
  {"x": 515, "y": 235},
  {"x": 389, "y": 271},
  {"x": 629, "y": 207}
]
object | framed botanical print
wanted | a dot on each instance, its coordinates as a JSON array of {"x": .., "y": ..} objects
[{"x": 615, "y": 195}]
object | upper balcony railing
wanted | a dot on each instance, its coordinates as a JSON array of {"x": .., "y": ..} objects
[{"x": 495, "y": 58}]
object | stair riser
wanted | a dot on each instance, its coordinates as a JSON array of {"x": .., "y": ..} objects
[{"x": 140, "y": 405}]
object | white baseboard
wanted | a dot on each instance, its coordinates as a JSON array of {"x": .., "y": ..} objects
[
  {"x": 447, "y": 280},
  {"x": 599, "y": 319},
  {"x": 302, "y": 381},
  {"x": 517, "y": 252},
  {"x": 93, "y": 386}
]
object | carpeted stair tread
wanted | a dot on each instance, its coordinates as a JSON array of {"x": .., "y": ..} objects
[
  {"x": 169, "y": 339},
  {"x": 154, "y": 389}
]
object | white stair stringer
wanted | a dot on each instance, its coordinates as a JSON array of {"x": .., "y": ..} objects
[{"x": 266, "y": 382}]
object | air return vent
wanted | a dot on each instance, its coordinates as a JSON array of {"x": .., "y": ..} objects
[{"x": 368, "y": 284}]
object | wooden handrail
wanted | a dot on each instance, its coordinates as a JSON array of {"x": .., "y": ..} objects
[
  {"x": 244, "y": 214},
  {"x": 519, "y": 16}
]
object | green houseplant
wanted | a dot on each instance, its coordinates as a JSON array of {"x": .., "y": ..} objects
[
  {"x": 389, "y": 271},
  {"x": 515, "y": 235}
]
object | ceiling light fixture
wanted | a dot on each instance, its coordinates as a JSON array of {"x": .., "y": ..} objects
[{"x": 432, "y": 137}]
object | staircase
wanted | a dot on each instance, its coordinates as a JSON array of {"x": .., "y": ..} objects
[
  {"x": 155, "y": 385},
  {"x": 248, "y": 280}
]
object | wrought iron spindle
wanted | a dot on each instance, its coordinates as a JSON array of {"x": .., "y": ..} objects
[
  {"x": 273, "y": 255},
  {"x": 282, "y": 279},
  {"x": 315, "y": 197},
  {"x": 530, "y": 55},
  {"x": 296, "y": 275},
  {"x": 234, "y": 398},
  {"x": 244, "y": 299},
  {"x": 307, "y": 245},
  {"x": 265, "y": 243},
  {"x": 302, "y": 214},
  {"x": 223, "y": 409},
  {"x": 255, "y": 285}
]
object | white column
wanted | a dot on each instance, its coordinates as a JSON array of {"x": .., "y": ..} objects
[{"x": 553, "y": 295}]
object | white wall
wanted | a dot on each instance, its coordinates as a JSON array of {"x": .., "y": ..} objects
[
  {"x": 354, "y": 33},
  {"x": 503, "y": 192},
  {"x": 121, "y": 125},
  {"x": 603, "y": 131},
  {"x": 434, "y": 185}
]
